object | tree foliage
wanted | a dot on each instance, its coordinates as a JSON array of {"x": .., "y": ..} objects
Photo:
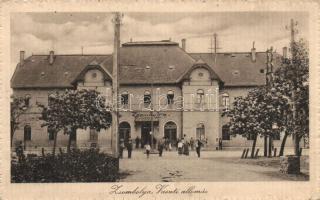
[
  {"x": 291, "y": 80},
  {"x": 18, "y": 106},
  {"x": 75, "y": 109}
]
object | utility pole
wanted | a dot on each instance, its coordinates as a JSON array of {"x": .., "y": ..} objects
[
  {"x": 296, "y": 138},
  {"x": 269, "y": 82},
  {"x": 115, "y": 84}
]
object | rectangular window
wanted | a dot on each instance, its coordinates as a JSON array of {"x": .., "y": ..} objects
[
  {"x": 225, "y": 133},
  {"x": 74, "y": 135},
  {"x": 276, "y": 136},
  {"x": 51, "y": 134},
  {"x": 250, "y": 137},
  {"x": 170, "y": 99},
  {"x": 93, "y": 135},
  {"x": 124, "y": 99}
]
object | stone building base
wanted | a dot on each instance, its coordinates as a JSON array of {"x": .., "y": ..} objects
[{"x": 290, "y": 164}]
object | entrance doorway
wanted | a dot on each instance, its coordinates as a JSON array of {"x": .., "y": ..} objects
[
  {"x": 170, "y": 132},
  {"x": 124, "y": 132},
  {"x": 145, "y": 133}
]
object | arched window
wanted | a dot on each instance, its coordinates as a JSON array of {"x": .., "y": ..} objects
[
  {"x": 170, "y": 132},
  {"x": 200, "y": 96},
  {"x": 147, "y": 98},
  {"x": 124, "y": 131},
  {"x": 170, "y": 97},
  {"x": 200, "y": 132},
  {"x": 27, "y": 100},
  {"x": 225, "y": 133},
  {"x": 225, "y": 101},
  {"x": 27, "y": 133},
  {"x": 125, "y": 98}
]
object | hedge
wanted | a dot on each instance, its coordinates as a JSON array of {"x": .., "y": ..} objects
[{"x": 77, "y": 166}]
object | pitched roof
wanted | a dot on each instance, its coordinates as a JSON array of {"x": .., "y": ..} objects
[
  {"x": 37, "y": 72},
  {"x": 162, "y": 62},
  {"x": 237, "y": 69},
  {"x": 166, "y": 64}
]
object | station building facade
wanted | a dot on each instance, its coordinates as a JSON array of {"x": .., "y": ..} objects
[{"x": 165, "y": 91}]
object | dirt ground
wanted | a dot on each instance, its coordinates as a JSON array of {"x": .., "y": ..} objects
[{"x": 212, "y": 166}]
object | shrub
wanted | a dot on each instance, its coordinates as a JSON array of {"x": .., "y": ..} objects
[{"x": 77, "y": 166}]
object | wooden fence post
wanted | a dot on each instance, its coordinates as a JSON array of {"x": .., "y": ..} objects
[
  {"x": 246, "y": 155},
  {"x": 244, "y": 151},
  {"x": 256, "y": 155}
]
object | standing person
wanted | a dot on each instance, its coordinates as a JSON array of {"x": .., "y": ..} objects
[
  {"x": 192, "y": 143},
  {"x": 186, "y": 148},
  {"x": 169, "y": 145},
  {"x": 121, "y": 147},
  {"x": 129, "y": 147},
  {"x": 19, "y": 151},
  {"x": 137, "y": 140},
  {"x": 148, "y": 148},
  {"x": 220, "y": 144},
  {"x": 198, "y": 147},
  {"x": 180, "y": 145},
  {"x": 161, "y": 146}
]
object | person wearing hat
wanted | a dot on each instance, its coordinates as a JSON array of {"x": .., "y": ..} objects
[
  {"x": 129, "y": 147},
  {"x": 121, "y": 148}
]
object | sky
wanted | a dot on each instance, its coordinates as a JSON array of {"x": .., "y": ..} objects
[{"x": 67, "y": 33}]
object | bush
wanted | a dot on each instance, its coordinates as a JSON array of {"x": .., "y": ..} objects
[{"x": 77, "y": 166}]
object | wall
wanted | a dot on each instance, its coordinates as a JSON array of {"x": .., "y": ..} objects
[
  {"x": 239, "y": 141},
  {"x": 205, "y": 112}
]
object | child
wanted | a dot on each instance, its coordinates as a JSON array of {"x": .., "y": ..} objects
[{"x": 148, "y": 148}]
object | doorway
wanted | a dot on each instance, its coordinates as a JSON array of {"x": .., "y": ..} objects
[
  {"x": 124, "y": 132},
  {"x": 145, "y": 133},
  {"x": 170, "y": 132}
]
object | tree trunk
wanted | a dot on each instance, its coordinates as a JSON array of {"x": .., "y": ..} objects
[
  {"x": 69, "y": 142},
  {"x": 270, "y": 146},
  {"x": 54, "y": 143},
  {"x": 253, "y": 146},
  {"x": 265, "y": 149},
  {"x": 283, "y": 144},
  {"x": 12, "y": 133},
  {"x": 296, "y": 145}
]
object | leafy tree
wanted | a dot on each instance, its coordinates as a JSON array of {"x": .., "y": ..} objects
[
  {"x": 18, "y": 106},
  {"x": 291, "y": 80},
  {"x": 257, "y": 114},
  {"x": 75, "y": 109}
]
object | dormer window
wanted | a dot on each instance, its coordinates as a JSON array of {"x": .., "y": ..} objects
[{"x": 94, "y": 75}]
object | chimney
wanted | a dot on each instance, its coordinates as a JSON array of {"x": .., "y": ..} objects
[
  {"x": 183, "y": 44},
  {"x": 285, "y": 52},
  {"x": 51, "y": 57},
  {"x": 21, "y": 58},
  {"x": 253, "y": 53}
]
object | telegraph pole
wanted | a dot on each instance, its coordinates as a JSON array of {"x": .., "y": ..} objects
[
  {"x": 115, "y": 85},
  {"x": 293, "y": 31},
  {"x": 269, "y": 80}
]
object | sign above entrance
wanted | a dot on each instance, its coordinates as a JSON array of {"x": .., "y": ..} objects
[{"x": 145, "y": 117}]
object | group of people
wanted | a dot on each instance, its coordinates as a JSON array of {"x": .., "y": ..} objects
[{"x": 183, "y": 146}]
